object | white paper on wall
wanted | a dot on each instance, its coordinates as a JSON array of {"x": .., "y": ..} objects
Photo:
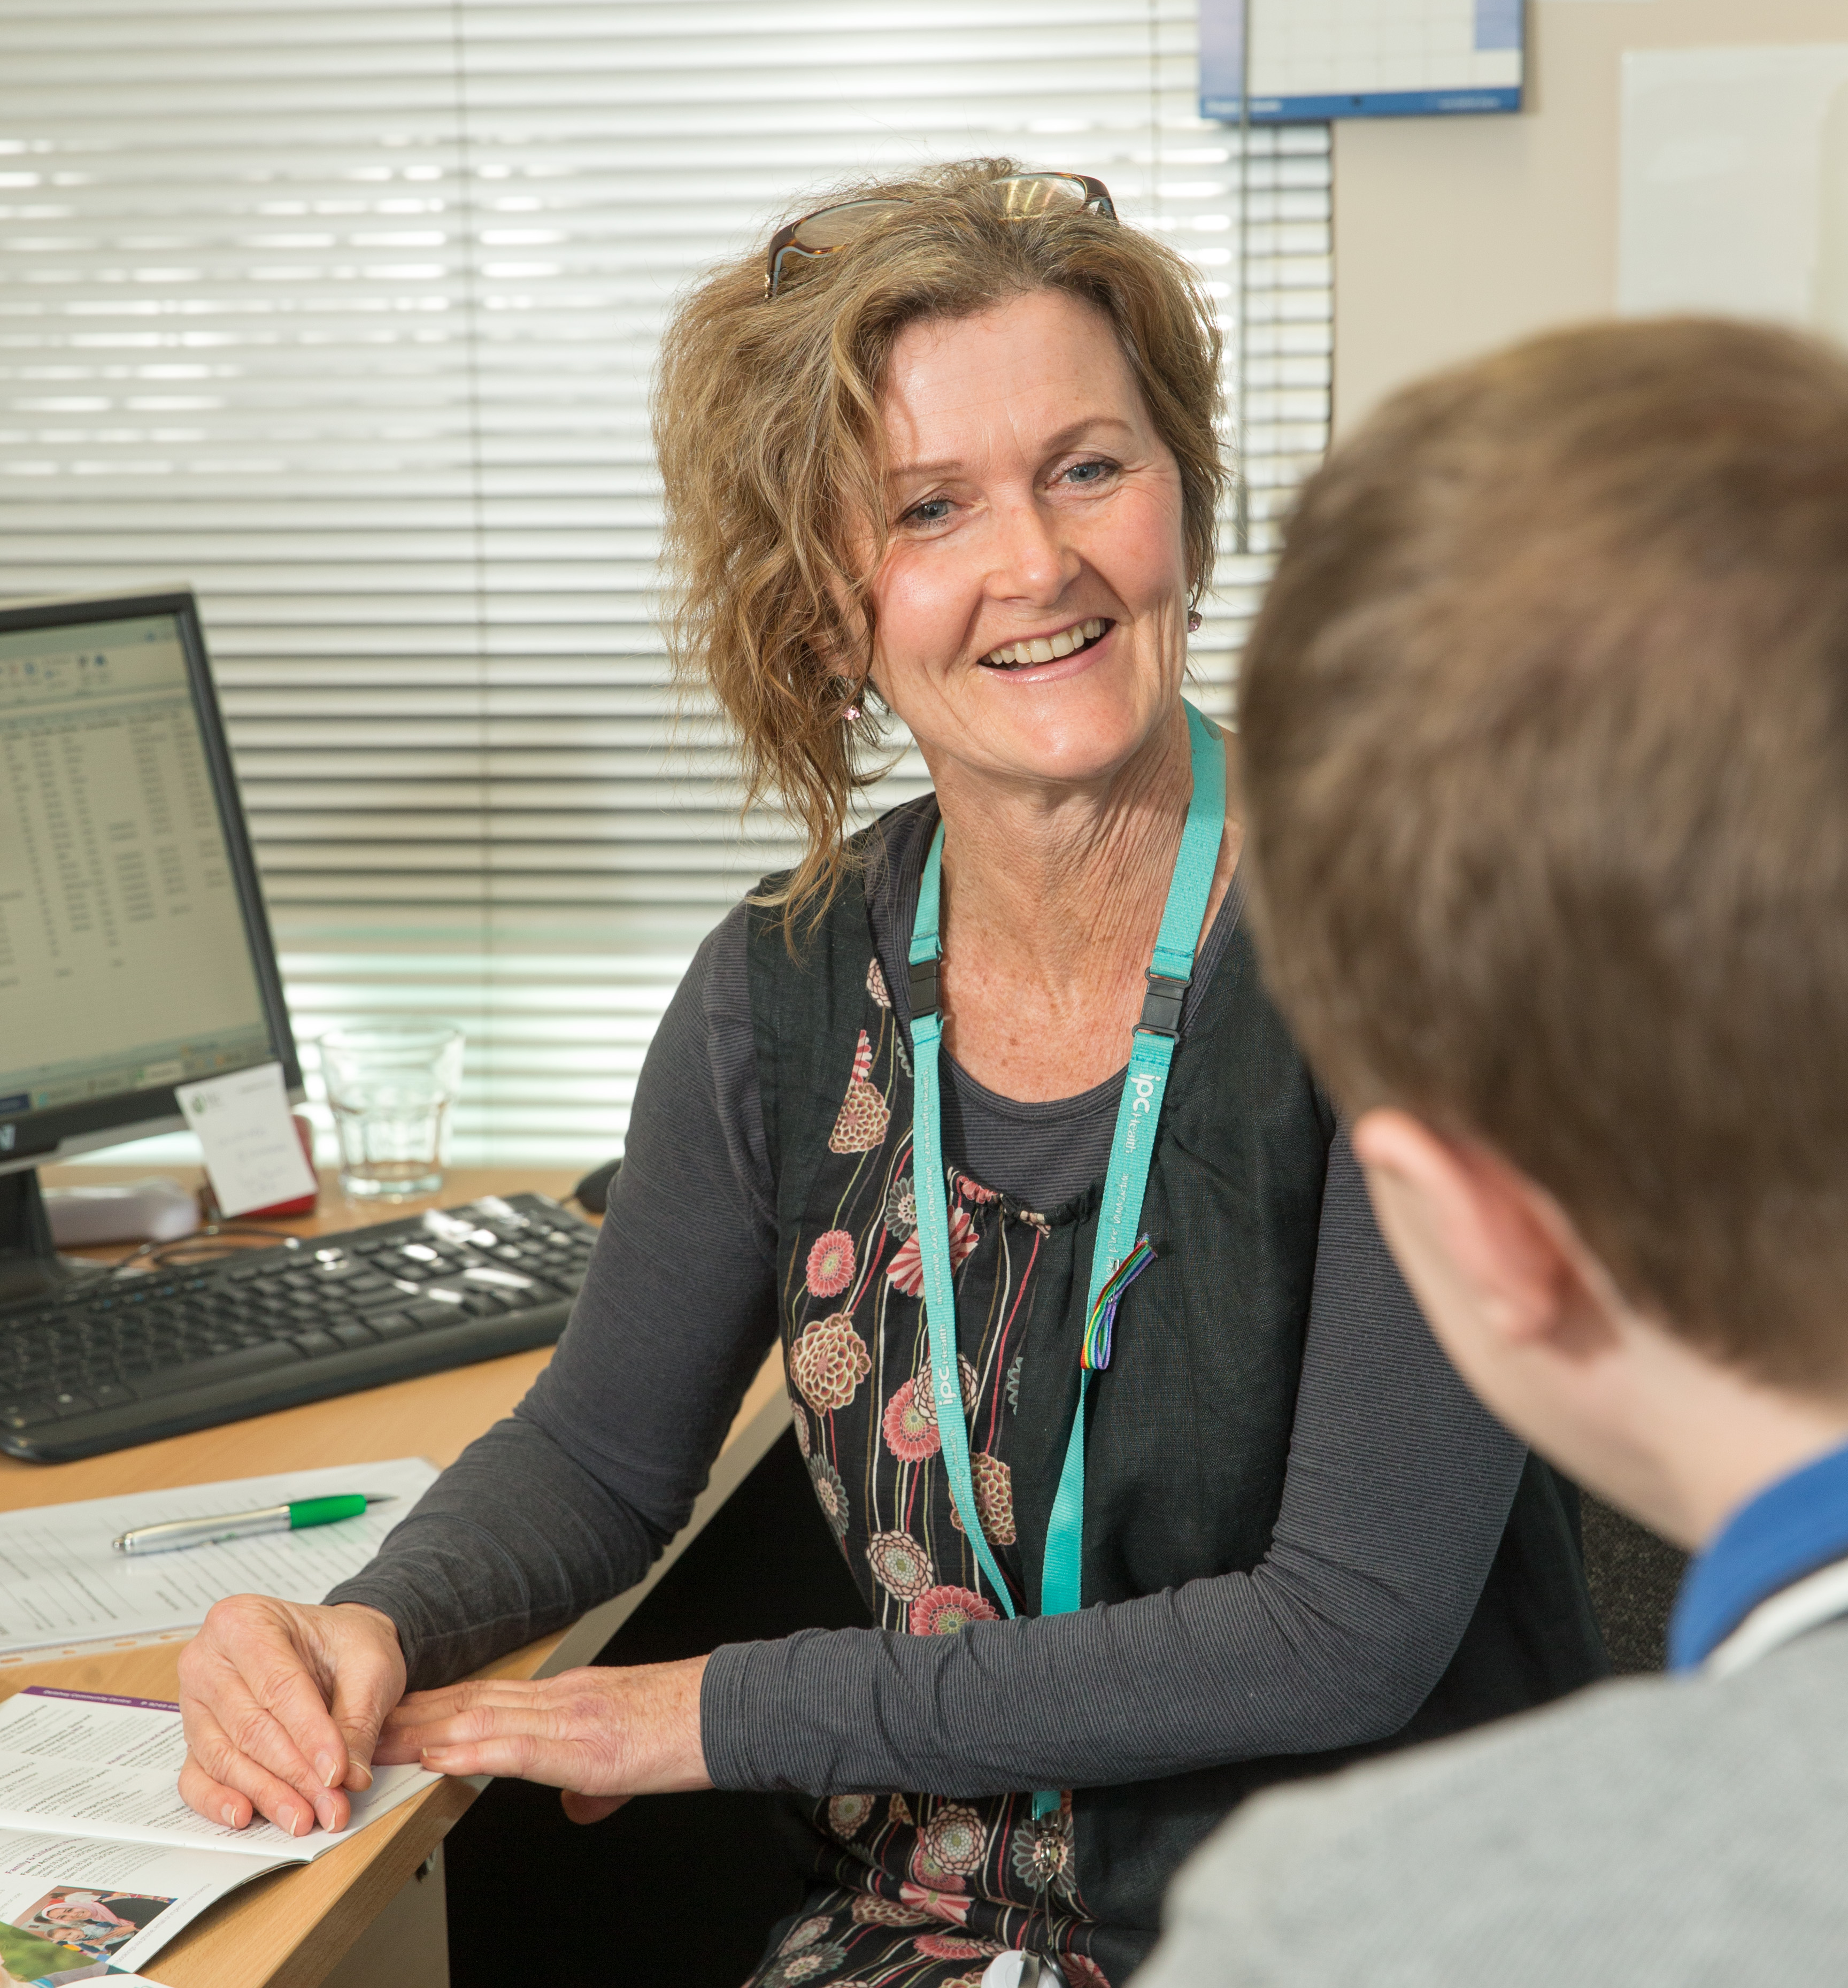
[{"x": 1735, "y": 184}]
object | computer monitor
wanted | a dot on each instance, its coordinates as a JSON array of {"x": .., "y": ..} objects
[{"x": 135, "y": 952}]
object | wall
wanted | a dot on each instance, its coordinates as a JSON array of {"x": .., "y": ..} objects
[{"x": 1453, "y": 234}]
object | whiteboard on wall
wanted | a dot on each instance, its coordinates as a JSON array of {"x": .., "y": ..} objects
[
  {"x": 1735, "y": 184},
  {"x": 1312, "y": 60}
]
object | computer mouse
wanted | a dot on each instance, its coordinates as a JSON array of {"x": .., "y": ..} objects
[{"x": 592, "y": 1193}]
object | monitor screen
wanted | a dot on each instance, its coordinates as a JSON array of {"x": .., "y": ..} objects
[{"x": 134, "y": 954}]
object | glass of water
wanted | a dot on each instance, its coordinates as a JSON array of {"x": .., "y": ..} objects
[{"x": 391, "y": 1085}]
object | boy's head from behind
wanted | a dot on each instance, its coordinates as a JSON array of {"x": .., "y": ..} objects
[{"x": 1545, "y": 720}]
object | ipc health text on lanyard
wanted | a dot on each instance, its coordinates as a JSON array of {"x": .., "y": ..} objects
[{"x": 1119, "y": 1255}]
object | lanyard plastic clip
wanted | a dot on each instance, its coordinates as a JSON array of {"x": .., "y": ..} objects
[
  {"x": 923, "y": 977},
  {"x": 1161, "y": 1006}
]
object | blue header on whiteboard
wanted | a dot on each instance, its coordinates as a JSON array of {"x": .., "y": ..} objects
[
  {"x": 1315, "y": 60},
  {"x": 1379, "y": 103}
]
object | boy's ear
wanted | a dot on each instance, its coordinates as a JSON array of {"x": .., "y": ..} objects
[{"x": 1482, "y": 1245}]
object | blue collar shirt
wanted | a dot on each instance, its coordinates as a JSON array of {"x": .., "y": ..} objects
[{"x": 1792, "y": 1529}]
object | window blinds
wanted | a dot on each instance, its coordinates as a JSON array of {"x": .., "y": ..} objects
[{"x": 345, "y": 314}]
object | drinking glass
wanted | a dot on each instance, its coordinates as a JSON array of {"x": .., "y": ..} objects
[{"x": 391, "y": 1085}]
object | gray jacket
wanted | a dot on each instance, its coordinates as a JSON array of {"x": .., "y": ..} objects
[{"x": 1691, "y": 1830}]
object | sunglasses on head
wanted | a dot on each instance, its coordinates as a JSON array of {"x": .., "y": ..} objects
[{"x": 1025, "y": 196}]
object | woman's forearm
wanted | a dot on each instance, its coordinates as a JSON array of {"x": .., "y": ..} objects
[{"x": 1221, "y": 1670}]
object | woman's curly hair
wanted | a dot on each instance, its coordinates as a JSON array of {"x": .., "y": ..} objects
[{"x": 768, "y": 432}]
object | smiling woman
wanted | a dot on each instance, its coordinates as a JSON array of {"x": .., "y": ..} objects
[
  {"x": 1155, "y": 1485},
  {"x": 772, "y": 562}
]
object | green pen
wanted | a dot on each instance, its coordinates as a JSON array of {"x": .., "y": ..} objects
[{"x": 290, "y": 1518}]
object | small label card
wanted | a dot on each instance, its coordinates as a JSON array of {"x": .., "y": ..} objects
[{"x": 252, "y": 1151}]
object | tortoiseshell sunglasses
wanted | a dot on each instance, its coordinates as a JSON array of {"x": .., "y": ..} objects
[{"x": 1024, "y": 195}]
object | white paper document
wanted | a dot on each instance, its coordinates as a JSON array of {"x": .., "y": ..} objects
[
  {"x": 252, "y": 1151},
  {"x": 61, "y": 1581},
  {"x": 97, "y": 1851},
  {"x": 86, "y": 1764},
  {"x": 116, "y": 1905}
]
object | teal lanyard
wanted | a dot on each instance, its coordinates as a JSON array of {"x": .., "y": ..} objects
[{"x": 1119, "y": 1255}]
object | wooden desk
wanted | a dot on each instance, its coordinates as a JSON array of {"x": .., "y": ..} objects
[{"x": 289, "y": 1930}]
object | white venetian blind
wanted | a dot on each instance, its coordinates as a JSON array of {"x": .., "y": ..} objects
[{"x": 345, "y": 314}]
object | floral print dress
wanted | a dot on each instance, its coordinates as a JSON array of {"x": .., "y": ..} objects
[{"x": 927, "y": 1888}]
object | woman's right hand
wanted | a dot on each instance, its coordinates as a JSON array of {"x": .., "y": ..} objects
[{"x": 282, "y": 1704}]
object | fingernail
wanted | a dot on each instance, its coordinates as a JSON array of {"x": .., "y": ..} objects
[
  {"x": 328, "y": 1768},
  {"x": 437, "y": 1759},
  {"x": 229, "y": 1812},
  {"x": 360, "y": 1777},
  {"x": 292, "y": 1820}
]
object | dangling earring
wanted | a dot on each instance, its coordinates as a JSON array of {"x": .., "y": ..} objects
[
  {"x": 850, "y": 710},
  {"x": 1193, "y": 621}
]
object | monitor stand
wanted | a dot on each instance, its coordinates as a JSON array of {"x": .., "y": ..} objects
[{"x": 30, "y": 1266}]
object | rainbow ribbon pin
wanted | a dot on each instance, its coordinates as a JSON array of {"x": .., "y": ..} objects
[{"x": 1096, "y": 1354}]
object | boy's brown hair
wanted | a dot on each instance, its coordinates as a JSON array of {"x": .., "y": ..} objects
[{"x": 1545, "y": 726}]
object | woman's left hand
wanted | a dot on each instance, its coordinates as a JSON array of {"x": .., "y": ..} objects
[{"x": 599, "y": 1735}]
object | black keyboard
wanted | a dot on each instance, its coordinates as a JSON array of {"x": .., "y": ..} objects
[{"x": 115, "y": 1360}]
